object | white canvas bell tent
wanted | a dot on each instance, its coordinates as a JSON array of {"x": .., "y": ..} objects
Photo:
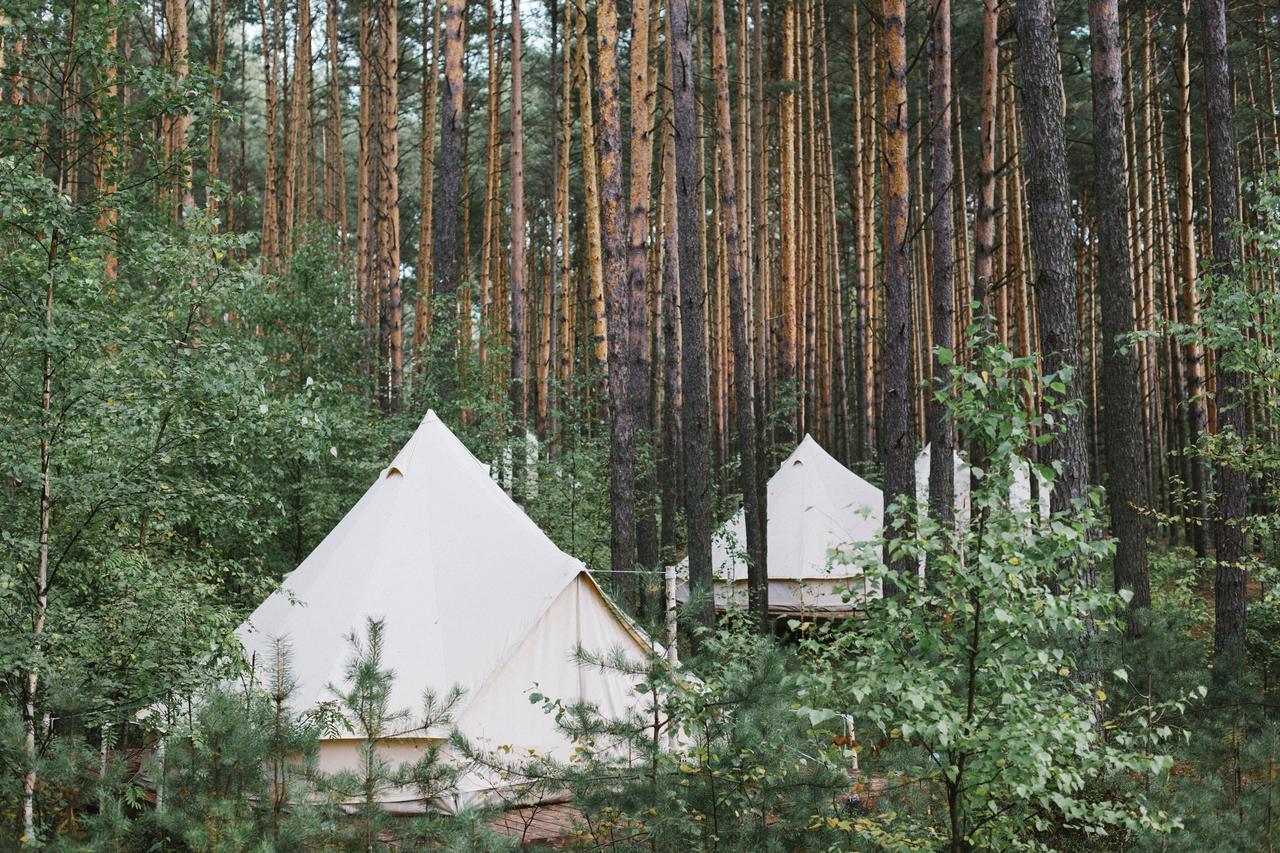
[
  {"x": 961, "y": 473},
  {"x": 1020, "y": 497},
  {"x": 817, "y": 509},
  {"x": 472, "y": 594}
]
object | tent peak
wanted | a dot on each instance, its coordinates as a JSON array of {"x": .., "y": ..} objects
[{"x": 400, "y": 465}]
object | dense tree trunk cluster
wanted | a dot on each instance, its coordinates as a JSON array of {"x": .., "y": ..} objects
[{"x": 707, "y": 230}]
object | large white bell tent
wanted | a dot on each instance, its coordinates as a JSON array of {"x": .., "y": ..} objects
[
  {"x": 820, "y": 515},
  {"x": 472, "y": 594}
]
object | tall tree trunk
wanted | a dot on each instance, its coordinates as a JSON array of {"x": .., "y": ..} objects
[
  {"x": 300, "y": 123},
  {"x": 218, "y": 28},
  {"x": 899, "y": 434},
  {"x": 788, "y": 223},
  {"x": 431, "y": 10},
  {"x": 743, "y": 381},
  {"x": 335, "y": 156},
  {"x": 941, "y": 427},
  {"x": 1197, "y": 409},
  {"x": 1048, "y": 204},
  {"x": 696, "y": 409},
  {"x": 643, "y": 92},
  {"x": 761, "y": 262},
  {"x": 861, "y": 288},
  {"x": 672, "y": 399},
  {"x": 176, "y": 148},
  {"x": 519, "y": 300},
  {"x": 549, "y": 389},
  {"x": 1121, "y": 405},
  {"x": 618, "y": 304},
  {"x": 106, "y": 158},
  {"x": 269, "y": 228},
  {"x": 364, "y": 173},
  {"x": 1229, "y": 581},
  {"x": 568, "y": 303},
  {"x": 446, "y": 207},
  {"x": 591, "y": 189},
  {"x": 389, "y": 197},
  {"x": 984, "y": 221},
  {"x": 490, "y": 258}
]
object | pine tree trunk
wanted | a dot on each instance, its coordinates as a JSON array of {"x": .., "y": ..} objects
[
  {"x": 1048, "y": 204},
  {"x": 984, "y": 222},
  {"x": 862, "y": 289},
  {"x": 218, "y": 28},
  {"x": 547, "y": 388},
  {"x": 179, "y": 62},
  {"x": 105, "y": 160},
  {"x": 696, "y": 408},
  {"x": 446, "y": 207},
  {"x": 1230, "y": 597},
  {"x": 389, "y": 197},
  {"x": 941, "y": 426},
  {"x": 335, "y": 156},
  {"x": 621, "y": 360},
  {"x": 643, "y": 92},
  {"x": 567, "y": 284},
  {"x": 788, "y": 222},
  {"x": 591, "y": 189},
  {"x": 519, "y": 299},
  {"x": 671, "y": 452},
  {"x": 431, "y": 10},
  {"x": 761, "y": 262},
  {"x": 269, "y": 229},
  {"x": 300, "y": 136},
  {"x": 364, "y": 173},
  {"x": 1197, "y": 409},
  {"x": 491, "y": 227},
  {"x": 743, "y": 381},
  {"x": 899, "y": 433},
  {"x": 1121, "y": 404}
]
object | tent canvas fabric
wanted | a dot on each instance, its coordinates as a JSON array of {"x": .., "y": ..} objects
[
  {"x": 472, "y": 594},
  {"x": 820, "y": 515},
  {"x": 1020, "y": 498}
]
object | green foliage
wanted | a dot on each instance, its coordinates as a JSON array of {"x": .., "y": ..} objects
[
  {"x": 719, "y": 761},
  {"x": 970, "y": 686}
]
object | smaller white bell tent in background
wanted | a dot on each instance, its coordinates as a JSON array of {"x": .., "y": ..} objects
[
  {"x": 1020, "y": 499},
  {"x": 472, "y": 594},
  {"x": 820, "y": 514},
  {"x": 962, "y": 476}
]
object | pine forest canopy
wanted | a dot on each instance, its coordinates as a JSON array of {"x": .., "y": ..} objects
[{"x": 633, "y": 253}]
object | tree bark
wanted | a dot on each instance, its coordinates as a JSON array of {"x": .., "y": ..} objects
[
  {"x": 788, "y": 223},
  {"x": 335, "y": 156},
  {"x": 389, "y": 197},
  {"x": 431, "y": 10},
  {"x": 1121, "y": 405},
  {"x": 941, "y": 426},
  {"x": 519, "y": 300},
  {"x": 643, "y": 92},
  {"x": 591, "y": 189},
  {"x": 696, "y": 415},
  {"x": 618, "y": 305},
  {"x": 899, "y": 433},
  {"x": 984, "y": 220},
  {"x": 267, "y": 247},
  {"x": 753, "y": 502},
  {"x": 1048, "y": 204},
  {"x": 1230, "y": 579},
  {"x": 448, "y": 198},
  {"x": 1197, "y": 409},
  {"x": 672, "y": 400}
]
